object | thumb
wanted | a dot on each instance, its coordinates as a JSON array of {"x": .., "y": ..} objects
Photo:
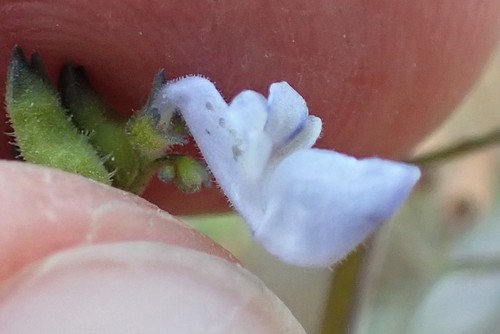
[
  {"x": 139, "y": 287},
  {"x": 82, "y": 257}
]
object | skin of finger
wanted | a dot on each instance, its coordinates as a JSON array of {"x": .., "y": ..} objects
[
  {"x": 352, "y": 60},
  {"x": 139, "y": 287},
  {"x": 380, "y": 74},
  {"x": 45, "y": 210}
]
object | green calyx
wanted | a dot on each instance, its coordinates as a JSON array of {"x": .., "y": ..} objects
[
  {"x": 73, "y": 129},
  {"x": 106, "y": 132},
  {"x": 43, "y": 132},
  {"x": 149, "y": 133}
]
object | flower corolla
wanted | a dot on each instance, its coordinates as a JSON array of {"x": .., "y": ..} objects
[{"x": 308, "y": 207}]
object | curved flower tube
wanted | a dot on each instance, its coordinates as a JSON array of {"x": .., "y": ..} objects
[{"x": 309, "y": 207}]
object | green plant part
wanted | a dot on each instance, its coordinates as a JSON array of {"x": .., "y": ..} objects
[
  {"x": 151, "y": 135},
  {"x": 86, "y": 138},
  {"x": 190, "y": 174},
  {"x": 457, "y": 149},
  {"x": 106, "y": 132},
  {"x": 146, "y": 140},
  {"x": 42, "y": 129},
  {"x": 167, "y": 173},
  {"x": 187, "y": 173}
]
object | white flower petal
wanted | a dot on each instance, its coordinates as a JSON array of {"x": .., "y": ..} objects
[
  {"x": 248, "y": 115},
  {"x": 287, "y": 113},
  {"x": 205, "y": 113},
  {"x": 308, "y": 207},
  {"x": 304, "y": 139},
  {"x": 320, "y": 204},
  {"x": 232, "y": 148},
  {"x": 248, "y": 111}
]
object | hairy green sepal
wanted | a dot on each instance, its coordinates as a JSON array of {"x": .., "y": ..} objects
[
  {"x": 106, "y": 132},
  {"x": 42, "y": 129},
  {"x": 77, "y": 132}
]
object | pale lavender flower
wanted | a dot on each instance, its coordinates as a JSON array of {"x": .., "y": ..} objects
[{"x": 309, "y": 207}]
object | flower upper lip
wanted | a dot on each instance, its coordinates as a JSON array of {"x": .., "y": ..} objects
[{"x": 309, "y": 207}]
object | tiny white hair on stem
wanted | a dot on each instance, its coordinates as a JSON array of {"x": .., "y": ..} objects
[{"x": 308, "y": 207}]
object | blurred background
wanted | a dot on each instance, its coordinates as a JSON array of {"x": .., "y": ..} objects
[{"x": 434, "y": 268}]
